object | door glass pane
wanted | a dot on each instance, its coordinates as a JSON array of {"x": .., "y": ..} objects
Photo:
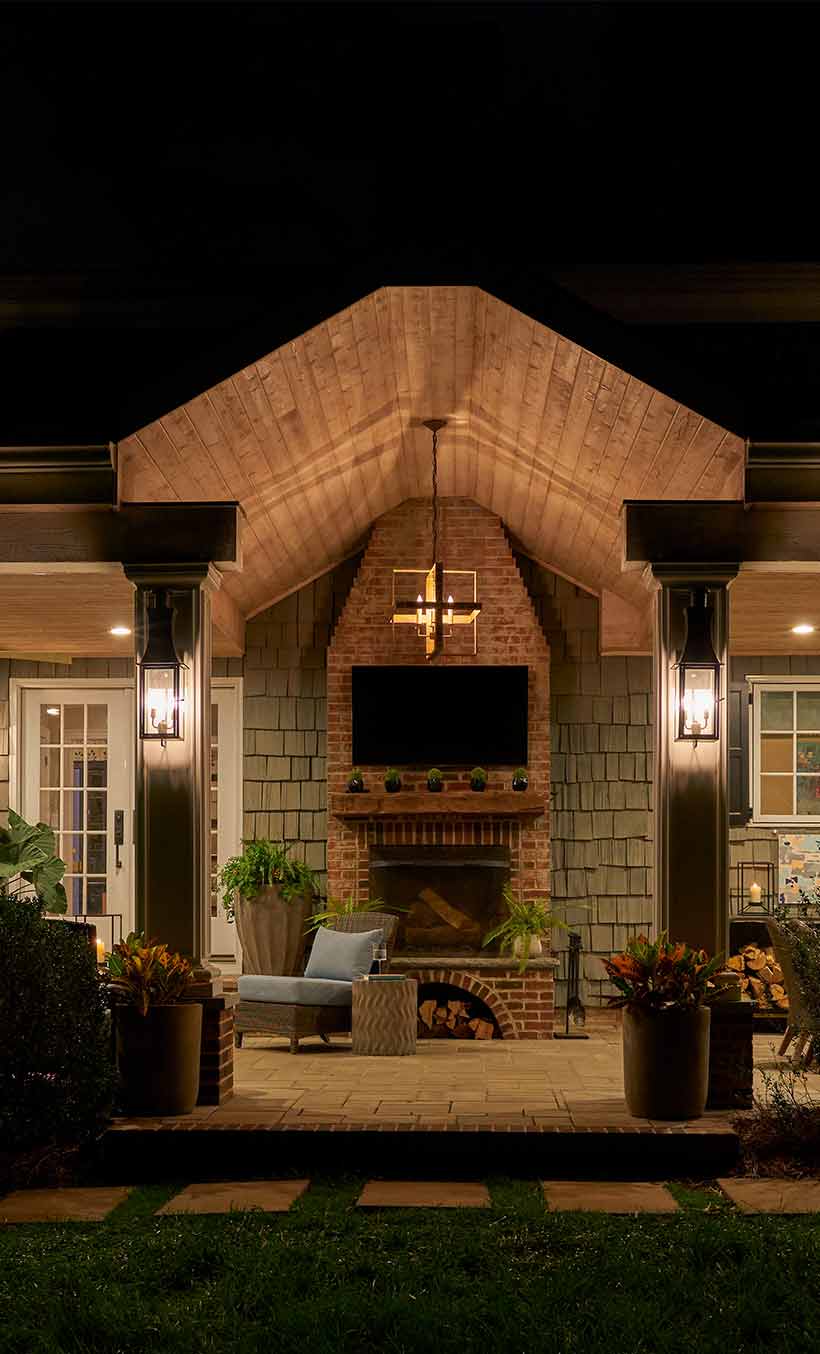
[
  {"x": 776, "y": 795},
  {"x": 72, "y": 766},
  {"x": 95, "y": 896},
  {"x": 74, "y": 889},
  {"x": 74, "y": 724},
  {"x": 776, "y": 752},
  {"x": 777, "y": 710},
  {"x": 50, "y": 807},
  {"x": 72, "y": 852},
  {"x": 95, "y": 853},
  {"x": 808, "y": 795},
  {"x": 96, "y": 810},
  {"x": 97, "y": 767},
  {"x": 97, "y": 724},
  {"x": 808, "y": 711},
  {"x": 49, "y": 767},
  {"x": 49, "y": 723},
  {"x": 73, "y": 811}
]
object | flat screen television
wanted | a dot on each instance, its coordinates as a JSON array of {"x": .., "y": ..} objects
[{"x": 440, "y": 716}]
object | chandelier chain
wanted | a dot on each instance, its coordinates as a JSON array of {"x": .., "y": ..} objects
[{"x": 435, "y": 495}]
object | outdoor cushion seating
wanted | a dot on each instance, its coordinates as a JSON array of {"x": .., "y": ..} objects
[
  {"x": 278, "y": 1005},
  {"x": 295, "y": 991},
  {"x": 342, "y": 955}
]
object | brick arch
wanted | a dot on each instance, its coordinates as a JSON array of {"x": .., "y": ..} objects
[{"x": 457, "y": 978}]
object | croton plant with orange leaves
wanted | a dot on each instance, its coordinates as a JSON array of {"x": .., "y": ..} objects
[{"x": 660, "y": 975}]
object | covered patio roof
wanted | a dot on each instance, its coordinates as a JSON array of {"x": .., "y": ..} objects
[{"x": 322, "y": 435}]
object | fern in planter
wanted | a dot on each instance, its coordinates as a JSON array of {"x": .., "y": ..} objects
[
  {"x": 262, "y": 864},
  {"x": 527, "y": 920}
]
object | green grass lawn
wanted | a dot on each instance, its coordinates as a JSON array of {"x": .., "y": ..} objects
[{"x": 325, "y": 1277}]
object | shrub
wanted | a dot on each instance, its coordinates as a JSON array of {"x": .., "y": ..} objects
[
  {"x": 781, "y": 1135},
  {"x": 56, "y": 1074}
]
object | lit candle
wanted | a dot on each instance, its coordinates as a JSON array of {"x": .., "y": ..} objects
[
  {"x": 100, "y": 951},
  {"x": 754, "y": 892},
  {"x": 450, "y": 612},
  {"x": 419, "y": 616}
]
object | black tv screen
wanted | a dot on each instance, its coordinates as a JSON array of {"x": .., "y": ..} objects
[{"x": 440, "y": 716}]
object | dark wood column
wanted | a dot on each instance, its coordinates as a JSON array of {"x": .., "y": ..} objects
[
  {"x": 691, "y": 802},
  {"x": 173, "y": 782}
]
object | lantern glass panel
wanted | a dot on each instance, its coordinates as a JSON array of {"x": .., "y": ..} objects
[
  {"x": 698, "y": 691},
  {"x": 160, "y": 707}
]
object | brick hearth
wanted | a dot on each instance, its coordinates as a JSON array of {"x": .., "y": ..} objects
[{"x": 507, "y": 633}]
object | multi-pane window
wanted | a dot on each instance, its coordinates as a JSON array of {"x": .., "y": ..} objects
[
  {"x": 74, "y": 797},
  {"x": 786, "y": 765}
]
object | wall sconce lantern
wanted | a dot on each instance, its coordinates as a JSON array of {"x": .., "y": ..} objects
[
  {"x": 698, "y": 675},
  {"x": 160, "y": 697}
]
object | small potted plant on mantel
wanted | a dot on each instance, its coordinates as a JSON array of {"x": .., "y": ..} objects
[
  {"x": 522, "y": 931},
  {"x": 159, "y": 1033},
  {"x": 435, "y": 781},
  {"x": 392, "y": 781},
  {"x": 520, "y": 780},
  {"x": 270, "y": 897},
  {"x": 356, "y": 783},
  {"x": 478, "y": 779},
  {"x": 662, "y": 988}
]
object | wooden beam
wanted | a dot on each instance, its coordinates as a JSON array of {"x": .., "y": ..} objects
[
  {"x": 229, "y": 625},
  {"x": 691, "y": 532},
  {"x": 136, "y": 533},
  {"x": 58, "y": 475}
]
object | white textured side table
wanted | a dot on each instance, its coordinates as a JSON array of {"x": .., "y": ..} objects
[{"x": 385, "y": 1017}]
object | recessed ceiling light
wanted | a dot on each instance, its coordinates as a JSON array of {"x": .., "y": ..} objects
[
  {"x": 803, "y": 629},
  {"x": 119, "y": 630}
]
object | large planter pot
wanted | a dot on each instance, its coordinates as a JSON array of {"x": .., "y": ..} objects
[
  {"x": 272, "y": 932},
  {"x": 158, "y": 1058},
  {"x": 666, "y": 1063}
]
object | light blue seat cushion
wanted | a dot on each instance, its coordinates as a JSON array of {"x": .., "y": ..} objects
[
  {"x": 343, "y": 955},
  {"x": 295, "y": 991}
]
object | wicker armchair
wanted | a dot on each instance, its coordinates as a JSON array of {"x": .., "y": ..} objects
[
  {"x": 802, "y": 1025},
  {"x": 298, "y": 1021}
]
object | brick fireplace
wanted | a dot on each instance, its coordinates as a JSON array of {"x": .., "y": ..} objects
[{"x": 509, "y": 829}]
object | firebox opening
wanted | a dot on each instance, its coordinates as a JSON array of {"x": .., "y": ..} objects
[
  {"x": 448, "y": 1012},
  {"x": 451, "y": 895}
]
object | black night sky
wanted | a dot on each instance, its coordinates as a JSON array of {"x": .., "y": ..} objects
[{"x": 187, "y": 186}]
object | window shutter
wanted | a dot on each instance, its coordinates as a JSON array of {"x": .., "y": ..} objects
[{"x": 738, "y": 731}]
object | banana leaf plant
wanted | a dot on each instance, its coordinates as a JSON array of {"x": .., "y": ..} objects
[{"x": 29, "y": 864}]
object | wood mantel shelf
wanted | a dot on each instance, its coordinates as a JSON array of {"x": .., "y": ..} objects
[{"x": 423, "y": 804}]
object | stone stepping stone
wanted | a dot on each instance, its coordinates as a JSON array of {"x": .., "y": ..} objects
[
  {"x": 62, "y": 1205},
  {"x": 607, "y": 1196},
  {"x": 424, "y": 1194},
  {"x": 270, "y": 1196},
  {"x": 773, "y": 1196}
]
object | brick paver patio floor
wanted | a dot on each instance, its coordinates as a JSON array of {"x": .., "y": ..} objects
[{"x": 446, "y": 1084}]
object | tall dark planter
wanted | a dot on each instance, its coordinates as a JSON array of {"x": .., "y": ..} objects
[
  {"x": 158, "y": 1058},
  {"x": 666, "y": 1063}
]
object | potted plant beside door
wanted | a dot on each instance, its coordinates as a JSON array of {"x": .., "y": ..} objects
[
  {"x": 159, "y": 1033},
  {"x": 663, "y": 987},
  {"x": 270, "y": 897}
]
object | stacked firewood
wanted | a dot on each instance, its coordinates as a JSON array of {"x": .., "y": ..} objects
[
  {"x": 451, "y": 1020},
  {"x": 761, "y": 976}
]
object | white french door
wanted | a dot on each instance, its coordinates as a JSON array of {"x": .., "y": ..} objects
[{"x": 75, "y": 757}]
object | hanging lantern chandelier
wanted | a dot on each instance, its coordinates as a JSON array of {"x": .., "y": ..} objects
[{"x": 444, "y": 598}]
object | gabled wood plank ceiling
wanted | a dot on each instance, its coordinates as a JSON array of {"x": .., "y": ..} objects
[{"x": 321, "y": 436}]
